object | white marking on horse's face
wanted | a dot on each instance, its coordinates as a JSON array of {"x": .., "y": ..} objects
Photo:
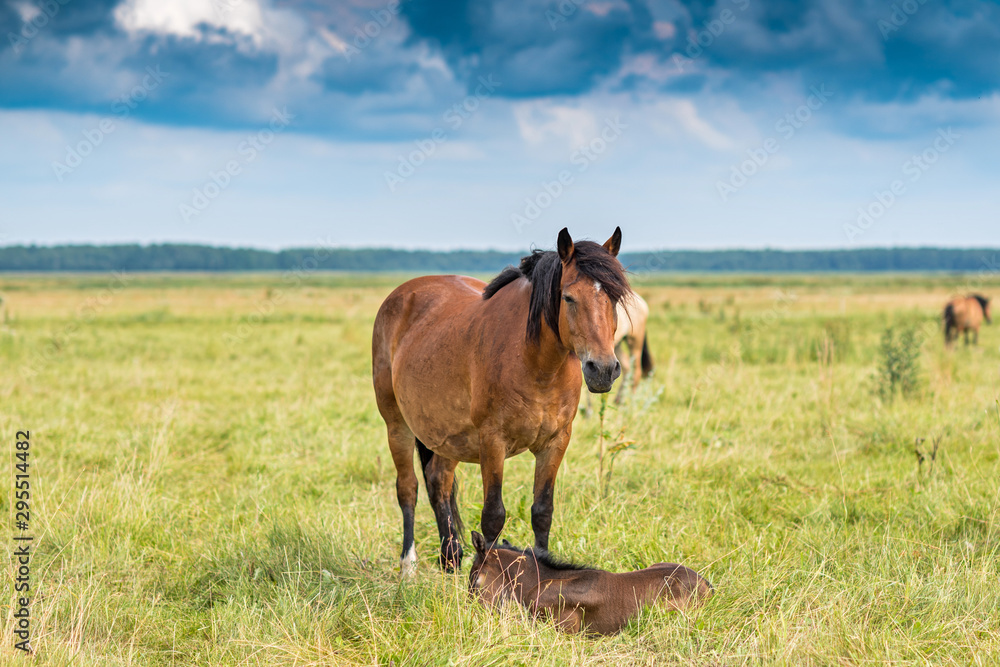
[{"x": 597, "y": 285}]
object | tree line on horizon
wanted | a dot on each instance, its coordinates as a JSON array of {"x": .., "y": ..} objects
[{"x": 184, "y": 257}]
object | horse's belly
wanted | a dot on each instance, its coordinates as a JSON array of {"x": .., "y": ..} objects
[
  {"x": 443, "y": 426},
  {"x": 460, "y": 447}
]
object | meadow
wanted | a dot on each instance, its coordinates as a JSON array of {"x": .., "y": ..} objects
[{"x": 212, "y": 485}]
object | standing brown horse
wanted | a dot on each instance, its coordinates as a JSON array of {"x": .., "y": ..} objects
[
  {"x": 963, "y": 315},
  {"x": 465, "y": 371}
]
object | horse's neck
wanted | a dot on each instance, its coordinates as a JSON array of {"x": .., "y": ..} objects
[
  {"x": 548, "y": 355},
  {"x": 509, "y": 310}
]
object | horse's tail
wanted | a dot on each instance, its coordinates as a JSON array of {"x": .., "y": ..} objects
[
  {"x": 949, "y": 316},
  {"x": 647, "y": 358},
  {"x": 425, "y": 460}
]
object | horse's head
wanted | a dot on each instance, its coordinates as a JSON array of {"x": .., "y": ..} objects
[
  {"x": 490, "y": 579},
  {"x": 593, "y": 282}
]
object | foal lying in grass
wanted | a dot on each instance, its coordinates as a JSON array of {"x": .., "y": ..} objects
[{"x": 578, "y": 598}]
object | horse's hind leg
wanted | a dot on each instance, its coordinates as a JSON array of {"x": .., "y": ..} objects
[
  {"x": 401, "y": 444},
  {"x": 636, "y": 351},
  {"x": 625, "y": 359},
  {"x": 439, "y": 473}
]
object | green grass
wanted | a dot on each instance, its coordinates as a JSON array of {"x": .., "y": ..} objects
[{"x": 200, "y": 500}]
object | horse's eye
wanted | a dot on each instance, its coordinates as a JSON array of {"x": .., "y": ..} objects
[{"x": 569, "y": 299}]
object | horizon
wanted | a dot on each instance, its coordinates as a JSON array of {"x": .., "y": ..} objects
[
  {"x": 732, "y": 124},
  {"x": 624, "y": 250}
]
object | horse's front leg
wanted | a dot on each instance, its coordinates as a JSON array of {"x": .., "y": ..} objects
[
  {"x": 492, "y": 453},
  {"x": 546, "y": 466}
]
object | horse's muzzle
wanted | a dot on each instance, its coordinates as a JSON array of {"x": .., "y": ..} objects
[{"x": 600, "y": 375}]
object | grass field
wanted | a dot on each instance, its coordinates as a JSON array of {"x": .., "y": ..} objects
[{"x": 212, "y": 486}]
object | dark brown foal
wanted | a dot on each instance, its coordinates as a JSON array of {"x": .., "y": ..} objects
[{"x": 578, "y": 598}]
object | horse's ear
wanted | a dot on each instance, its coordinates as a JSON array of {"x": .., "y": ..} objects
[
  {"x": 614, "y": 244},
  {"x": 479, "y": 542},
  {"x": 565, "y": 246}
]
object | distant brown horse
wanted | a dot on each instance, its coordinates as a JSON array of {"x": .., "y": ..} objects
[
  {"x": 578, "y": 598},
  {"x": 963, "y": 315},
  {"x": 465, "y": 371}
]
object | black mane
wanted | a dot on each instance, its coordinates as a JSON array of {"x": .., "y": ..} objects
[
  {"x": 983, "y": 301},
  {"x": 543, "y": 269},
  {"x": 543, "y": 557}
]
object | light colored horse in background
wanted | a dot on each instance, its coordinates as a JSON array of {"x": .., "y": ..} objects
[{"x": 633, "y": 314}]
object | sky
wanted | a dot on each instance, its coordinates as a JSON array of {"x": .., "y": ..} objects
[{"x": 494, "y": 123}]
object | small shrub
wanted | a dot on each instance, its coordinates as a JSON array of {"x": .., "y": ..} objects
[{"x": 899, "y": 363}]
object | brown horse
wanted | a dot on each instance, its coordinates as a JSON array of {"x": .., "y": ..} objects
[
  {"x": 963, "y": 315},
  {"x": 465, "y": 371},
  {"x": 578, "y": 598}
]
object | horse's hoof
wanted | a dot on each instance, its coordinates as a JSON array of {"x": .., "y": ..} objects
[
  {"x": 408, "y": 564},
  {"x": 450, "y": 562}
]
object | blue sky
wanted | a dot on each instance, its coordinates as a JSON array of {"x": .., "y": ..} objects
[{"x": 494, "y": 123}]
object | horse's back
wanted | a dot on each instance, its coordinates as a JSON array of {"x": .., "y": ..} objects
[
  {"x": 421, "y": 361},
  {"x": 632, "y": 312},
  {"x": 419, "y": 306}
]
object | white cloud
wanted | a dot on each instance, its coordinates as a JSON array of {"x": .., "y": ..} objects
[
  {"x": 538, "y": 121},
  {"x": 182, "y": 18},
  {"x": 683, "y": 113}
]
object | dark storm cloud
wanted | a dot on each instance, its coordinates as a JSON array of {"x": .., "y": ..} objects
[
  {"x": 536, "y": 48},
  {"x": 880, "y": 51},
  {"x": 886, "y": 51}
]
